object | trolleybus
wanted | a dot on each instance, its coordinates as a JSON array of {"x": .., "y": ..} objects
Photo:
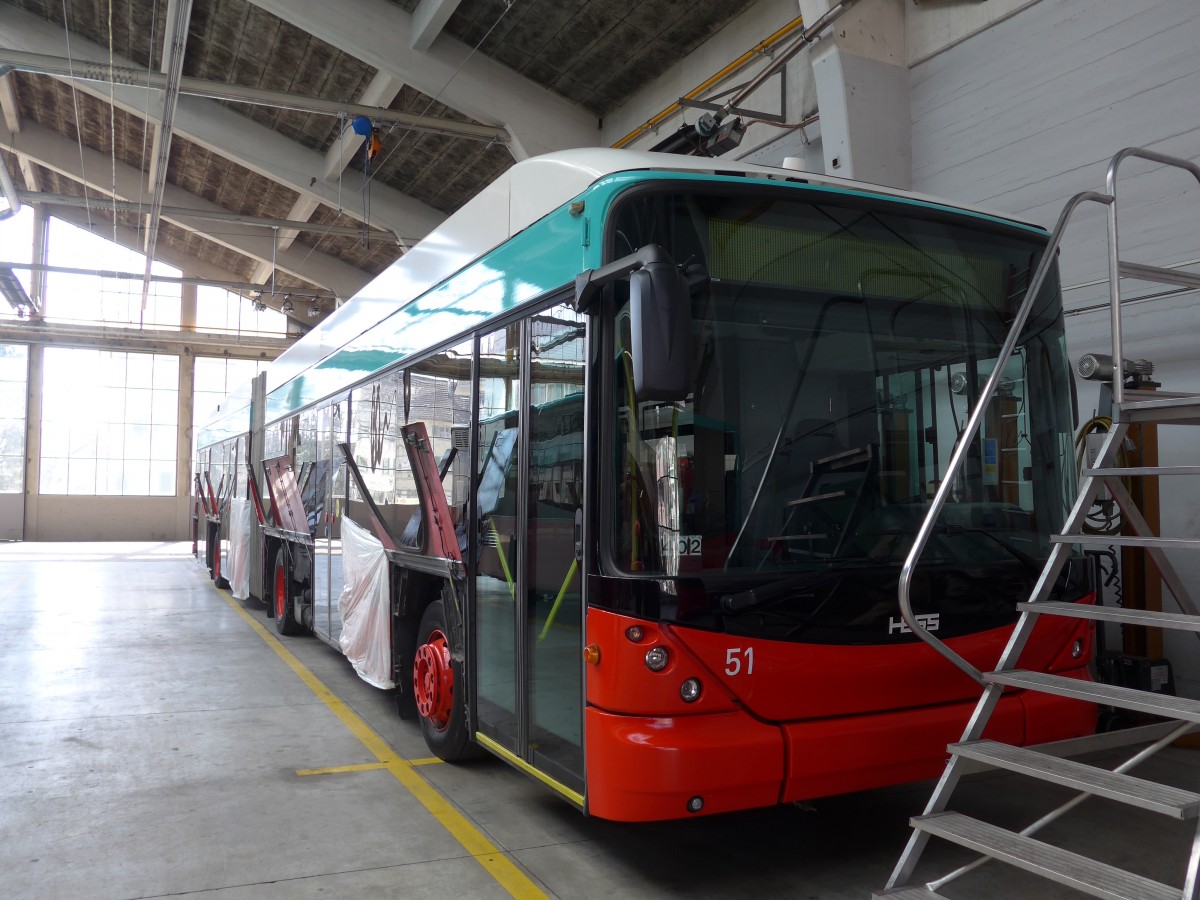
[{"x": 640, "y": 443}]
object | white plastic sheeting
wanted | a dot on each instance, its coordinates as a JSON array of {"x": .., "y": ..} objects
[
  {"x": 366, "y": 636},
  {"x": 239, "y": 548}
]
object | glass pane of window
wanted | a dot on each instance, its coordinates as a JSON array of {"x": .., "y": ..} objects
[
  {"x": 13, "y": 363},
  {"x": 14, "y": 366},
  {"x": 111, "y": 442},
  {"x": 54, "y": 475},
  {"x": 93, "y": 298},
  {"x": 81, "y": 477},
  {"x": 110, "y": 475},
  {"x": 110, "y": 432},
  {"x": 137, "y": 441},
  {"x": 137, "y": 405},
  {"x": 162, "y": 478},
  {"x": 11, "y": 468},
  {"x": 139, "y": 370},
  {"x": 83, "y": 439},
  {"x": 16, "y": 237},
  {"x": 166, "y": 372},
  {"x": 164, "y": 408},
  {"x": 162, "y": 442}
]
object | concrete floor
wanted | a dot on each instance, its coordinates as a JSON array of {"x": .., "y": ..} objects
[{"x": 150, "y": 741}]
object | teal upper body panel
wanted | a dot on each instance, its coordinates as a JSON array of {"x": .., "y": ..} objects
[{"x": 544, "y": 257}]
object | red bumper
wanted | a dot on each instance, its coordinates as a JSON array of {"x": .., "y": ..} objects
[{"x": 645, "y": 769}]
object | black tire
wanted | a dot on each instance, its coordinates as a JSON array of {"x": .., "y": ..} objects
[
  {"x": 436, "y": 674},
  {"x": 220, "y": 580},
  {"x": 281, "y": 598}
]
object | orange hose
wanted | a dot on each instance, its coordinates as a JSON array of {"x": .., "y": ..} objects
[{"x": 748, "y": 56}]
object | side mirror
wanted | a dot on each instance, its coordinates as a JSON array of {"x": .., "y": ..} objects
[{"x": 660, "y": 319}]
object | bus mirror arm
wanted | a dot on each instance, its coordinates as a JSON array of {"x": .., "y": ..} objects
[{"x": 589, "y": 282}]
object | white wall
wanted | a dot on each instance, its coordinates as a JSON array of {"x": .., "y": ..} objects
[{"x": 1028, "y": 112}]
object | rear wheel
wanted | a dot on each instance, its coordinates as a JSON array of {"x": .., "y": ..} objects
[
  {"x": 436, "y": 680},
  {"x": 218, "y": 578},
  {"x": 281, "y": 598}
]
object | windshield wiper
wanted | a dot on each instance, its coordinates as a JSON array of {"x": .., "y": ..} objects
[
  {"x": 781, "y": 588},
  {"x": 1031, "y": 563}
]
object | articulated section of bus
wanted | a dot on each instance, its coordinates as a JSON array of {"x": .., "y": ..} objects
[{"x": 743, "y": 625}]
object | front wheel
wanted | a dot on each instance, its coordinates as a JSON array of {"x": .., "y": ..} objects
[
  {"x": 436, "y": 680},
  {"x": 285, "y": 609}
]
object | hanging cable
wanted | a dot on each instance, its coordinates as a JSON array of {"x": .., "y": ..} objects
[
  {"x": 508, "y": 5},
  {"x": 1105, "y": 516},
  {"x": 75, "y": 102}
]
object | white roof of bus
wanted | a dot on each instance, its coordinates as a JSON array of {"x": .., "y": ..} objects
[{"x": 525, "y": 193}]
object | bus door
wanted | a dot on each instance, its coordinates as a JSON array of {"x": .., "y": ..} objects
[
  {"x": 528, "y": 587},
  {"x": 324, "y": 492}
]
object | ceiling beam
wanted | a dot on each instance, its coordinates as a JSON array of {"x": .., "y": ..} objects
[
  {"x": 12, "y": 118},
  {"x": 226, "y": 133},
  {"x": 179, "y": 14},
  {"x": 429, "y": 18},
  {"x": 381, "y": 34},
  {"x": 220, "y": 215},
  {"x": 8, "y": 105},
  {"x": 57, "y": 153},
  {"x": 67, "y": 69},
  {"x": 198, "y": 343},
  {"x": 235, "y": 286}
]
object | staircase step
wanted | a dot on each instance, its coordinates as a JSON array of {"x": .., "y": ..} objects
[
  {"x": 1165, "y": 705},
  {"x": 1146, "y": 617},
  {"x": 1071, "y": 869},
  {"x": 1173, "y": 802},
  {"x": 1125, "y": 540},
  {"x": 1158, "y": 274},
  {"x": 1132, "y": 471},
  {"x": 1168, "y": 410},
  {"x": 916, "y": 892}
]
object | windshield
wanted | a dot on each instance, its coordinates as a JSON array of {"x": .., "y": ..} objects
[{"x": 838, "y": 350}]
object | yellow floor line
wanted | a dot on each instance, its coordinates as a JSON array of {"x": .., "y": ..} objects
[
  {"x": 499, "y": 866},
  {"x": 337, "y": 770},
  {"x": 368, "y": 767}
]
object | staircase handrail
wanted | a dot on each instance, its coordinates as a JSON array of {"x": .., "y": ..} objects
[
  {"x": 969, "y": 432},
  {"x": 1114, "y": 263}
]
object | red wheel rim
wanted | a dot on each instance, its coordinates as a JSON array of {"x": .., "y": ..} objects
[
  {"x": 280, "y": 593},
  {"x": 433, "y": 680}
]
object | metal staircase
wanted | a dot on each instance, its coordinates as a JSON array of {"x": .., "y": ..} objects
[{"x": 1046, "y": 764}]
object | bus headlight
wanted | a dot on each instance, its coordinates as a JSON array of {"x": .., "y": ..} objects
[
  {"x": 657, "y": 659},
  {"x": 690, "y": 690}
]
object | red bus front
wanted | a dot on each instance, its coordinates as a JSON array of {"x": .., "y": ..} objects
[{"x": 743, "y": 641}]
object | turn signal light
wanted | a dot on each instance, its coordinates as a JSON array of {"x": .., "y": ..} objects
[{"x": 591, "y": 654}]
